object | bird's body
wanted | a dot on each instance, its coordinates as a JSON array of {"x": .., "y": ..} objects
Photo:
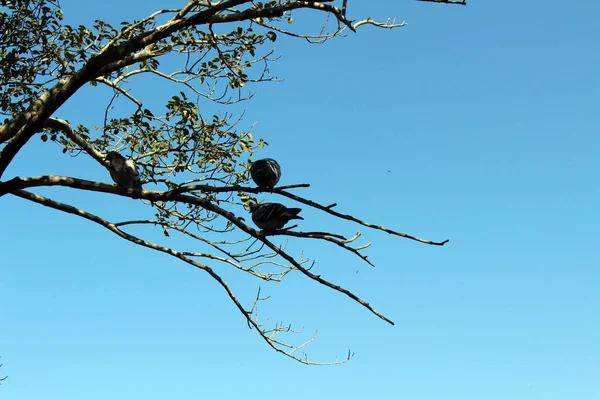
[
  {"x": 123, "y": 171},
  {"x": 265, "y": 173},
  {"x": 271, "y": 216}
]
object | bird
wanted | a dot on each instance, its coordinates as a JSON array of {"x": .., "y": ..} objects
[
  {"x": 265, "y": 173},
  {"x": 123, "y": 171},
  {"x": 271, "y": 216}
]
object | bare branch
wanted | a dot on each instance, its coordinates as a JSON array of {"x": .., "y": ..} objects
[
  {"x": 388, "y": 24},
  {"x": 19, "y": 183},
  {"x": 111, "y": 227},
  {"x": 353, "y": 219},
  {"x": 120, "y": 90},
  {"x": 329, "y": 237},
  {"x": 174, "y": 194}
]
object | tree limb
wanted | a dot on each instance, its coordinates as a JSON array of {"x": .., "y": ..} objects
[
  {"x": 327, "y": 209},
  {"x": 19, "y": 183},
  {"x": 111, "y": 227},
  {"x": 63, "y": 126}
]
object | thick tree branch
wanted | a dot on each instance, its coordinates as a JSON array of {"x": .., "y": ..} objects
[
  {"x": 172, "y": 195},
  {"x": 20, "y": 129},
  {"x": 24, "y": 126}
]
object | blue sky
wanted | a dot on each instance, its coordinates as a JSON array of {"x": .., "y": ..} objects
[{"x": 486, "y": 116}]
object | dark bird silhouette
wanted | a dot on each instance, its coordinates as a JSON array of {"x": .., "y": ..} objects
[
  {"x": 271, "y": 216},
  {"x": 123, "y": 171},
  {"x": 265, "y": 173}
]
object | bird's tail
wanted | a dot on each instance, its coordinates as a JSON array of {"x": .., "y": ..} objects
[{"x": 293, "y": 213}]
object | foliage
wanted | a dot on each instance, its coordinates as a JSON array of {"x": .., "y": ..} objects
[{"x": 196, "y": 162}]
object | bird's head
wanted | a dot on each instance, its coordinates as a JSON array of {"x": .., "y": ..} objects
[
  {"x": 113, "y": 155},
  {"x": 115, "y": 159},
  {"x": 253, "y": 206}
]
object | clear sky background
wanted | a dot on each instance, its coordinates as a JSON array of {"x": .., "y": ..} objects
[{"x": 480, "y": 124}]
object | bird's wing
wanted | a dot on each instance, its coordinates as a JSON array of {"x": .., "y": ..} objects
[
  {"x": 267, "y": 211},
  {"x": 133, "y": 173},
  {"x": 116, "y": 176}
]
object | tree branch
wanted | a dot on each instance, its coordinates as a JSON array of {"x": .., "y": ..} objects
[
  {"x": 327, "y": 209},
  {"x": 26, "y": 124},
  {"x": 19, "y": 183},
  {"x": 174, "y": 195},
  {"x": 329, "y": 237},
  {"x": 121, "y": 90},
  {"x": 231, "y": 260},
  {"x": 111, "y": 227},
  {"x": 388, "y": 24},
  {"x": 63, "y": 126}
]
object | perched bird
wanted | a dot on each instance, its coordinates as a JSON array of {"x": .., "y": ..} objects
[
  {"x": 265, "y": 173},
  {"x": 123, "y": 171},
  {"x": 270, "y": 216}
]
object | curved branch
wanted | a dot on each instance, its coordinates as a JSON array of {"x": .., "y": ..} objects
[
  {"x": 20, "y": 129},
  {"x": 231, "y": 260},
  {"x": 111, "y": 227},
  {"x": 63, "y": 126},
  {"x": 20, "y": 183},
  {"x": 329, "y": 210},
  {"x": 121, "y": 90},
  {"x": 329, "y": 237}
]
